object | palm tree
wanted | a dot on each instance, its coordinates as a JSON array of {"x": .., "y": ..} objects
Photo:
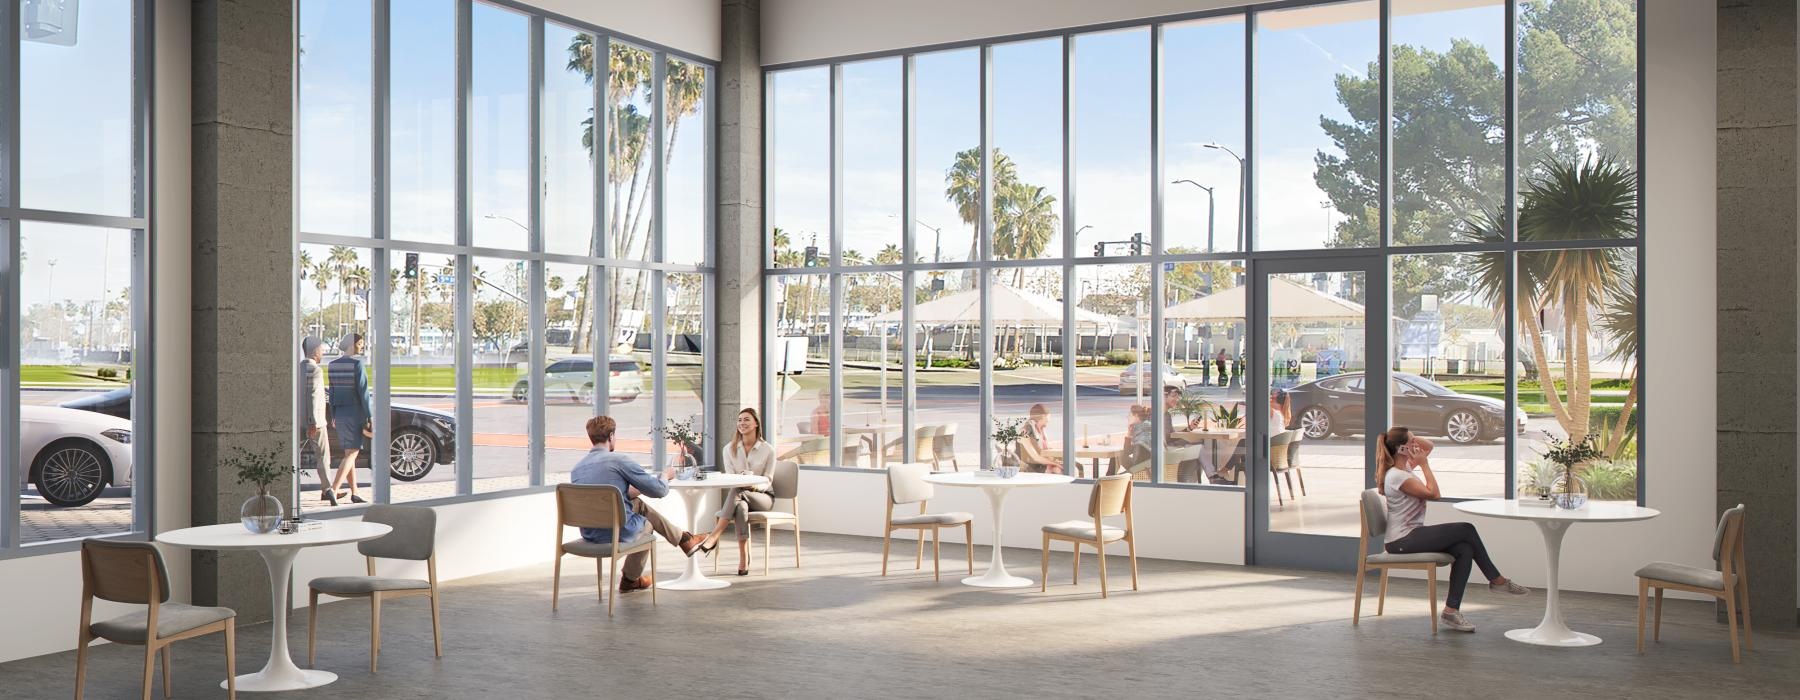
[
  {"x": 1026, "y": 220},
  {"x": 852, "y": 257},
  {"x": 962, "y": 186},
  {"x": 1595, "y": 199},
  {"x": 890, "y": 255},
  {"x": 340, "y": 260},
  {"x": 1620, "y": 321}
]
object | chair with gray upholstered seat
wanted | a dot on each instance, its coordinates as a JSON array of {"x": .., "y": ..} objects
[
  {"x": 414, "y": 538},
  {"x": 907, "y": 484},
  {"x": 1111, "y": 496},
  {"x": 1374, "y": 527},
  {"x": 784, "y": 485},
  {"x": 133, "y": 573},
  {"x": 599, "y": 506},
  {"x": 1727, "y": 582}
]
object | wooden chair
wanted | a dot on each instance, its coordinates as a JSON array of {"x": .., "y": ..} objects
[
  {"x": 907, "y": 484},
  {"x": 1727, "y": 583},
  {"x": 817, "y": 452},
  {"x": 414, "y": 539},
  {"x": 1279, "y": 464},
  {"x": 133, "y": 573},
  {"x": 924, "y": 441},
  {"x": 596, "y": 506},
  {"x": 784, "y": 485},
  {"x": 1111, "y": 496},
  {"x": 1293, "y": 458},
  {"x": 943, "y": 448},
  {"x": 1374, "y": 526}
]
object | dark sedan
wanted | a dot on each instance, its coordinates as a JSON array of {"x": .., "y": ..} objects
[
  {"x": 1334, "y": 406},
  {"x": 422, "y": 438}
]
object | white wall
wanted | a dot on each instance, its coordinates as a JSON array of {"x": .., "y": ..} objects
[{"x": 688, "y": 25}]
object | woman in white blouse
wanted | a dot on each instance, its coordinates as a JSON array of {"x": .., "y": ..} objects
[
  {"x": 747, "y": 453},
  {"x": 1404, "y": 476}
]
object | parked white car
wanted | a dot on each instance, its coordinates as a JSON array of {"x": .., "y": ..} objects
[
  {"x": 1140, "y": 372},
  {"x": 573, "y": 378},
  {"x": 71, "y": 455}
]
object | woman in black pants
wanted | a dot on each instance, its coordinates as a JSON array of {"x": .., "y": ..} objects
[{"x": 1404, "y": 477}]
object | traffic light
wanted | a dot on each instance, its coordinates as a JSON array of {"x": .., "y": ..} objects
[
  {"x": 812, "y": 256},
  {"x": 412, "y": 266},
  {"x": 1137, "y": 243},
  {"x": 1099, "y": 250}
]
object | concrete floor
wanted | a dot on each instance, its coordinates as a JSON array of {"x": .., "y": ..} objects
[{"x": 837, "y": 629}]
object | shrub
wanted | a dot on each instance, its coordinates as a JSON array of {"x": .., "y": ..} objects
[
  {"x": 107, "y": 373},
  {"x": 1121, "y": 357},
  {"x": 951, "y": 362},
  {"x": 1611, "y": 480}
]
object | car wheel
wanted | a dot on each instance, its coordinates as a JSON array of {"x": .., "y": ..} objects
[
  {"x": 521, "y": 391},
  {"x": 1462, "y": 427},
  {"x": 585, "y": 394},
  {"x": 411, "y": 454},
  {"x": 1316, "y": 423},
  {"x": 70, "y": 473}
]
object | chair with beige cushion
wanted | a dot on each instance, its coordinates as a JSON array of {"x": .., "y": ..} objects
[
  {"x": 784, "y": 485},
  {"x": 596, "y": 506},
  {"x": 1727, "y": 582},
  {"x": 1374, "y": 527},
  {"x": 133, "y": 573},
  {"x": 924, "y": 441},
  {"x": 907, "y": 484},
  {"x": 943, "y": 448},
  {"x": 1111, "y": 496},
  {"x": 414, "y": 538},
  {"x": 1279, "y": 464}
]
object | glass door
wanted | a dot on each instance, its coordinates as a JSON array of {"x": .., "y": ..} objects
[{"x": 1316, "y": 401}]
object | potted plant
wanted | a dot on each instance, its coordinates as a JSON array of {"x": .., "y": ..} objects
[
  {"x": 1230, "y": 418},
  {"x": 1570, "y": 491},
  {"x": 686, "y": 438},
  {"x": 1008, "y": 433},
  {"x": 262, "y": 513},
  {"x": 1191, "y": 405}
]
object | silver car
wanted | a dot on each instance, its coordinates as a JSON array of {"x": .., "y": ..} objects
[
  {"x": 1139, "y": 373},
  {"x": 573, "y": 378}
]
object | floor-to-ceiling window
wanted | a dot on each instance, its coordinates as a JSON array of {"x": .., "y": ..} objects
[
  {"x": 1081, "y": 212},
  {"x": 74, "y": 255},
  {"x": 514, "y": 215}
]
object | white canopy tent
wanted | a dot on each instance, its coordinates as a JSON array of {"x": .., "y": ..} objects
[
  {"x": 1012, "y": 307},
  {"x": 1288, "y": 301}
]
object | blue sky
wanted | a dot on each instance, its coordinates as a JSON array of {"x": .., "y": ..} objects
[
  {"x": 1300, "y": 53},
  {"x": 75, "y": 155}
]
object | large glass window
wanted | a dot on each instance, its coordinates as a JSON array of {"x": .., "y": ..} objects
[
  {"x": 1266, "y": 156},
  {"x": 1316, "y": 187},
  {"x": 1025, "y": 97},
  {"x": 336, "y": 287},
  {"x": 74, "y": 147},
  {"x": 798, "y": 178},
  {"x": 500, "y": 349}
]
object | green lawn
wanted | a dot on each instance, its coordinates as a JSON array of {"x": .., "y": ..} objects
[
  {"x": 65, "y": 375},
  {"x": 443, "y": 377}
]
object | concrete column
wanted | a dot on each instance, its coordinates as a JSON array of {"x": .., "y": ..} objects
[
  {"x": 739, "y": 240},
  {"x": 1757, "y": 332},
  {"x": 243, "y": 252}
]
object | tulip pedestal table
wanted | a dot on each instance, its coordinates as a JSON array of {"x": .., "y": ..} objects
[
  {"x": 277, "y": 552},
  {"x": 996, "y": 488},
  {"x": 691, "y": 489}
]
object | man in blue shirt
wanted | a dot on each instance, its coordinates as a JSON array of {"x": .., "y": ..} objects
[{"x": 602, "y": 465}]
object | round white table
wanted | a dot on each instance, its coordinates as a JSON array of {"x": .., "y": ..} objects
[
  {"x": 1553, "y": 522},
  {"x": 996, "y": 488},
  {"x": 278, "y": 554},
  {"x": 691, "y": 490}
]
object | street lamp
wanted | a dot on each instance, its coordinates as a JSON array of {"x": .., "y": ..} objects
[
  {"x": 1326, "y": 205},
  {"x": 937, "y": 243},
  {"x": 1243, "y": 189},
  {"x": 1210, "y": 208},
  {"x": 510, "y": 220}
]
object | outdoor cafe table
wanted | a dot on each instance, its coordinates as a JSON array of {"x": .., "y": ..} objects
[
  {"x": 1553, "y": 522},
  {"x": 691, "y": 490},
  {"x": 1097, "y": 453},
  {"x": 278, "y": 555},
  {"x": 876, "y": 436},
  {"x": 996, "y": 488}
]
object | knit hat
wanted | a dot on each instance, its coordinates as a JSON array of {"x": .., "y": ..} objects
[{"x": 310, "y": 345}]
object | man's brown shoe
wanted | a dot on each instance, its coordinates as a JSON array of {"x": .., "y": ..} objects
[
  {"x": 690, "y": 543},
  {"x": 637, "y": 584}
]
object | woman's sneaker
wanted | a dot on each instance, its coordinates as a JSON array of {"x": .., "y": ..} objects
[
  {"x": 1455, "y": 620},
  {"x": 1511, "y": 587}
]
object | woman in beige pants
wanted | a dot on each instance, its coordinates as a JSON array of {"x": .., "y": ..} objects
[{"x": 747, "y": 453}]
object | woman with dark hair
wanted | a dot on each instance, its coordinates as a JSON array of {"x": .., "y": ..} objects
[
  {"x": 747, "y": 453},
  {"x": 1404, "y": 476},
  {"x": 351, "y": 413}
]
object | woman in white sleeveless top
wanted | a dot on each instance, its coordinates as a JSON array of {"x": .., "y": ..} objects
[
  {"x": 1404, "y": 477},
  {"x": 747, "y": 453}
]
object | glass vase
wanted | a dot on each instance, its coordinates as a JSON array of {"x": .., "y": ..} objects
[
  {"x": 262, "y": 513},
  {"x": 1569, "y": 492}
]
